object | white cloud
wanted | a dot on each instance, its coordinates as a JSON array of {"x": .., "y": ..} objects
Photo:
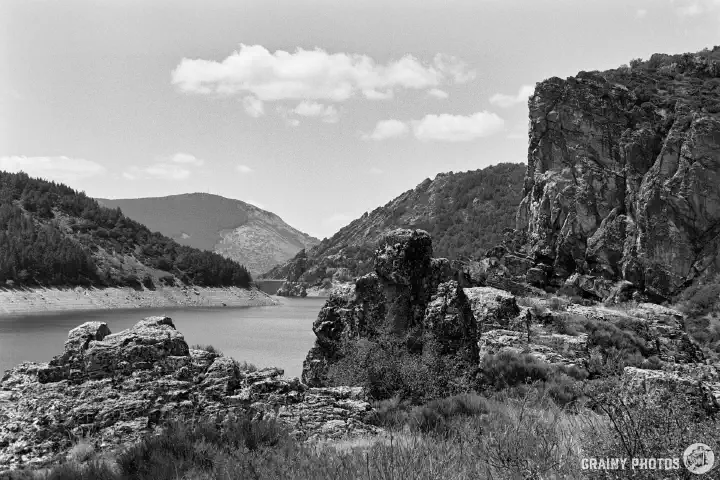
[
  {"x": 253, "y": 106},
  {"x": 61, "y": 169},
  {"x": 178, "y": 166},
  {"x": 387, "y": 129},
  {"x": 187, "y": 159},
  {"x": 437, "y": 93},
  {"x": 457, "y": 128},
  {"x": 641, "y": 13},
  {"x": 376, "y": 171},
  {"x": 160, "y": 171},
  {"x": 693, "y": 8},
  {"x": 328, "y": 113},
  {"x": 338, "y": 220},
  {"x": 313, "y": 74},
  {"x": 244, "y": 169},
  {"x": 506, "y": 101},
  {"x": 373, "y": 94}
]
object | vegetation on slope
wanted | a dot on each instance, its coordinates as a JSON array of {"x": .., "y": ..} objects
[
  {"x": 465, "y": 214},
  {"x": 52, "y": 235}
]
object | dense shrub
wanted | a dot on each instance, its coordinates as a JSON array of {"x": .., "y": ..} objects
[
  {"x": 507, "y": 369},
  {"x": 386, "y": 367}
]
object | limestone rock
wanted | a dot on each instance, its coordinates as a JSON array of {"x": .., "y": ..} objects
[
  {"x": 449, "y": 319},
  {"x": 699, "y": 381},
  {"x": 623, "y": 181},
  {"x": 492, "y": 307},
  {"x": 116, "y": 388},
  {"x": 403, "y": 265}
]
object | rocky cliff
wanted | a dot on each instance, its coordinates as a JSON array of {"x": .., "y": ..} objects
[
  {"x": 623, "y": 177},
  {"x": 465, "y": 213},
  {"x": 114, "y": 388},
  {"x": 237, "y": 230}
]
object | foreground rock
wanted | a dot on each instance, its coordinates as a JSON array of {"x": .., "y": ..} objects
[{"x": 115, "y": 388}]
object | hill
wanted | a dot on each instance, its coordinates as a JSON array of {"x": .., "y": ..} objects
[
  {"x": 237, "y": 230},
  {"x": 464, "y": 212},
  {"x": 53, "y": 235}
]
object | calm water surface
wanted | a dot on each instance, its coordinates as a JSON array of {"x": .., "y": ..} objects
[{"x": 278, "y": 336}]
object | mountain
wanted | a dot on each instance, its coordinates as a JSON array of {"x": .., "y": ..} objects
[
  {"x": 623, "y": 178},
  {"x": 465, "y": 213},
  {"x": 52, "y": 235},
  {"x": 237, "y": 230}
]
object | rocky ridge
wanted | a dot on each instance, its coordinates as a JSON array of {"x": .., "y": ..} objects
[{"x": 115, "y": 388}]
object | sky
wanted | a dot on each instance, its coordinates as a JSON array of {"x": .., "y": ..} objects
[{"x": 316, "y": 110}]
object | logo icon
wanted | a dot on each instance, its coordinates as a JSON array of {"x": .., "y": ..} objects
[{"x": 698, "y": 458}]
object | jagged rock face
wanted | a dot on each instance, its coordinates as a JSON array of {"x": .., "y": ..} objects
[
  {"x": 450, "y": 320},
  {"x": 117, "y": 388},
  {"x": 620, "y": 184},
  {"x": 349, "y": 312},
  {"x": 395, "y": 298},
  {"x": 403, "y": 265}
]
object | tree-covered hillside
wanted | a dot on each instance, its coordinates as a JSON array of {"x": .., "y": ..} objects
[
  {"x": 52, "y": 235},
  {"x": 464, "y": 212}
]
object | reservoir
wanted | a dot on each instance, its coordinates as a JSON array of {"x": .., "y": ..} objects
[{"x": 274, "y": 336}]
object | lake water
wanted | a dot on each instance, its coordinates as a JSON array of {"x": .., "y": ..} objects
[{"x": 278, "y": 336}]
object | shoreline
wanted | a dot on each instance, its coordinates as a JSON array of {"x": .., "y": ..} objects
[{"x": 47, "y": 300}]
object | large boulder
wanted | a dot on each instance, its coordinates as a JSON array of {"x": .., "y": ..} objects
[{"x": 492, "y": 307}]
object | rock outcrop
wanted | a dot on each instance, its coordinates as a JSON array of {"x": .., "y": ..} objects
[
  {"x": 409, "y": 292},
  {"x": 623, "y": 178},
  {"x": 115, "y": 388}
]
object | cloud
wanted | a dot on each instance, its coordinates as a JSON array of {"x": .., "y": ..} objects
[
  {"x": 338, "y": 220},
  {"x": 327, "y": 114},
  {"x": 376, "y": 171},
  {"x": 187, "y": 159},
  {"x": 437, "y": 93},
  {"x": 244, "y": 169},
  {"x": 387, "y": 129},
  {"x": 507, "y": 101},
  {"x": 641, "y": 13},
  {"x": 178, "y": 166},
  {"x": 253, "y": 106},
  {"x": 313, "y": 74},
  {"x": 61, "y": 169},
  {"x": 457, "y": 128},
  {"x": 693, "y": 8},
  {"x": 160, "y": 171}
]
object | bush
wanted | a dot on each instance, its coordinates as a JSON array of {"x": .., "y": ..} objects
[
  {"x": 508, "y": 369},
  {"x": 658, "y": 424},
  {"x": 387, "y": 367},
  {"x": 207, "y": 348}
]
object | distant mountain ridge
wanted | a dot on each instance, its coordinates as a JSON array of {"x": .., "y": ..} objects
[
  {"x": 465, "y": 212},
  {"x": 253, "y": 237}
]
